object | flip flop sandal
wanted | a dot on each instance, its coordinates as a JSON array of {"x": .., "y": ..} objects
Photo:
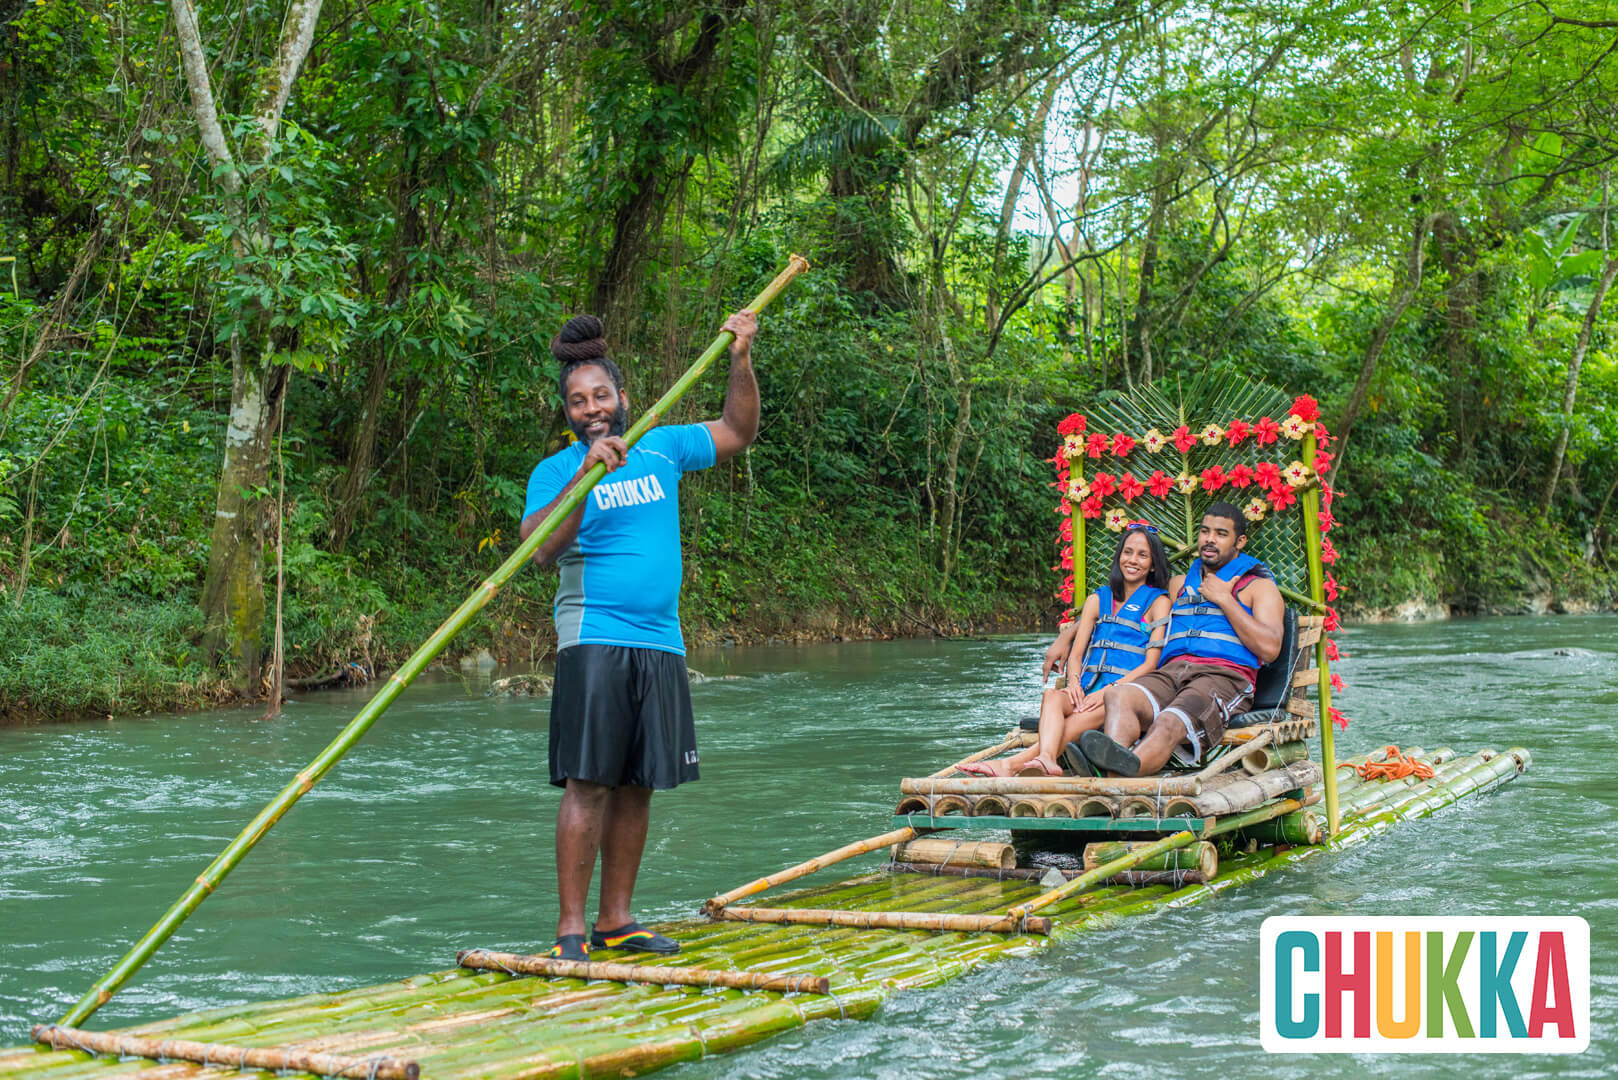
[
  {"x": 570, "y": 947},
  {"x": 636, "y": 938},
  {"x": 1106, "y": 753},
  {"x": 978, "y": 768},
  {"x": 1036, "y": 767},
  {"x": 1074, "y": 761}
]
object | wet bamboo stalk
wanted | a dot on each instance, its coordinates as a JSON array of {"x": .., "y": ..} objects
[
  {"x": 889, "y": 920},
  {"x": 518, "y": 964},
  {"x": 279, "y": 1058},
  {"x": 1275, "y": 757},
  {"x": 1015, "y": 873},
  {"x": 1052, "y": 785},
  {"x": 226, "y": 861},
  {"x": 804, "y": 869},
  {"x": 1248, "y": 792},
  {"x": 1196, "y": 856}
]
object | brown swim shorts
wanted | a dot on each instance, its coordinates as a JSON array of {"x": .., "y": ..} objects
[{"x": 1203, "y": 697}]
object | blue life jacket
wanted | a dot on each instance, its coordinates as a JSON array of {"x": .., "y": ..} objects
[
  {"x": 1199, "y": 628},
  {"x": 1119, "y": 641}
]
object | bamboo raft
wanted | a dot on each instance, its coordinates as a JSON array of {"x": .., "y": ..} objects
[
  {"x": 951, "y": 898},
  {"x": 458, "y": 1022}
]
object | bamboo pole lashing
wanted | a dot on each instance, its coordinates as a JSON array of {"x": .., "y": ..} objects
[
  {"x": 1200, "y": 855},
  {"x": 208, "y": 881},
  {"x": 809, "y": 866},
  {"x": 520, "y": 964},
  {"x": 1051, "y": 785},
  {"x": 887, "y": 920},
  {"x": 277, "y": 1058}
]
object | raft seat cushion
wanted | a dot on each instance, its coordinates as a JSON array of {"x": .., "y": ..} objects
[{"x": 1273, "y": 686}]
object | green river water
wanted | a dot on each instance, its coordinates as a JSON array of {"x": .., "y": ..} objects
[{"x": 435, "y": 835}]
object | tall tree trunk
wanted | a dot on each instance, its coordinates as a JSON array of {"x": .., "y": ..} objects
[
  {"x": 1570, "y": 388},
  {"x": 361, "y": 449},
  {"x": 233, "y": 594}
]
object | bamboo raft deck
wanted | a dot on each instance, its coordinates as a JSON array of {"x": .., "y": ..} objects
[{"x": 457, "y": 1023}]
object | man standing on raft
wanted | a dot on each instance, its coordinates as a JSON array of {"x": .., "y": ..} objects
[
  {"x": 621, "y": 724},
  {"x": 1226, "y": 623}
]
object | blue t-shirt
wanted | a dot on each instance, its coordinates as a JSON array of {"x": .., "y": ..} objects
[{"x": 621, "y": 578}]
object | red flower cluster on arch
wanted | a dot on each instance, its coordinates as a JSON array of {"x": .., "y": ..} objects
[{"x": 1273, "y": 487}]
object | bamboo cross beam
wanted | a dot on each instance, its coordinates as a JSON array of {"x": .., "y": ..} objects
[
  {"x": 1106, "y": 870},
  {"x": 244, "y": 1058},
  {"x": 519, "y": 964},
  {"x": 237, "y": 849},
  {"x": 860, "y": 847},
  {"x": 887, "y": 920},
  {"x": 1052, "y": 785}
]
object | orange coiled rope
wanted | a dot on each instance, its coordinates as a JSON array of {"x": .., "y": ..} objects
[{"x": 1393, "y": 766}]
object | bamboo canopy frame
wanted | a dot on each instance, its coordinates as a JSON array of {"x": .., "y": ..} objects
[
  {"x": 226, "y": 861},
  {"x": 1309, "y": 505}
]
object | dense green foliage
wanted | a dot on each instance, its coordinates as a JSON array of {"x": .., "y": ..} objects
[{"x": 1011, "y": 208}]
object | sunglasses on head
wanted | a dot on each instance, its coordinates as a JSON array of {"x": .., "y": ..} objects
[{"x": 1143, "y": 526}]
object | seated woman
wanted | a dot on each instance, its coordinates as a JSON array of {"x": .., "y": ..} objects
[{"x": 1118, "y": 646}]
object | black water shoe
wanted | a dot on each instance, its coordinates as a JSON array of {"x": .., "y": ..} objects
[
  {"x": 1106, "y": 753},
  {"x": 570, "y": 947},
  {"x": 634, "y": 937}
]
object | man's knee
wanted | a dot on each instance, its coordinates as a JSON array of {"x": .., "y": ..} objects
[
  {"x": 585, "y": 795},
  {"x": 1113, "y": 697}
]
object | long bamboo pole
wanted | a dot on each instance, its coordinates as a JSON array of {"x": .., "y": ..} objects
[
  {"x": 848, "y": 851},
  {"x": 519, "y": 964},
  {"x": 1317, "y": 593},
  {"x": 226, "y": 861},
  {"x": 241, "y": 1057}
]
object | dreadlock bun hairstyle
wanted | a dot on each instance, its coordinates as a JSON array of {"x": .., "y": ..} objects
[{"x": 581, "y": 342}]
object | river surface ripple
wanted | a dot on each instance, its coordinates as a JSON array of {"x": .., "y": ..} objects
[{"x": 435, "y": 835}]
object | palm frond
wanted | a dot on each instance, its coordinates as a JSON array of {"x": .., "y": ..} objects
[{"x": 851, "y": 136}]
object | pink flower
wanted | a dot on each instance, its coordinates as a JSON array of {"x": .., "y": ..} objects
[
  {"x": 1336, "y": 683},
  {"x": 1065, "y": 593},
  {"x": 1331, "y": 650},
  {"x": 1072, "y": 424},
  {"x": 1103, "y": 484},
  {"x": 1331, "y": 587},
  {"x": 1091, "y": 507},
  {"x": 1282, "y": 497},
  {"x": 1130, "y": 488},
  {"x": 1305, "y": 408},
  {"x": 1328, "y": 554},
  {"x": 1237, "y": 431},
  {"x": 1323, "y": 462},
  {"x": 1268, "y": 475},
  {"x": 1332, "y": 621},
  {"x": 1213, "y": 479},
  {"x": 1183, "y": 439},
  {"x": 1064, "y": 531},
  {"x": 1266, "y": 431},
  {"x": 1122, "y": 444},
  {"x": 1096, "y": 444},
  {"x": 1066, "y": 562},
  {"x": 1239, "y": 477},
  {"x": 1160, "y": 483},
  {"x": 1339, "y": 719}
]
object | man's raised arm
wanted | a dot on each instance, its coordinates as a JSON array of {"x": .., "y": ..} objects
[{"x": 737, "y": 426}]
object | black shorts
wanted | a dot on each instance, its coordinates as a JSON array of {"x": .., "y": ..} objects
[{"x": 622, "y": 716}]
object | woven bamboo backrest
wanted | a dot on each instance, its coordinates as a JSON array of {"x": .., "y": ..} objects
[{"x": 1277, "y": 540}]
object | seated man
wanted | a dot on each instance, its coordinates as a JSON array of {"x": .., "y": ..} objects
[{"x": 1226, "y": 623}]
